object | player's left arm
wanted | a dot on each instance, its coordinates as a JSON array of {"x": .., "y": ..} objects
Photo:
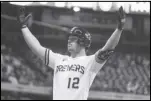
[{"x": 104, "y": 53}]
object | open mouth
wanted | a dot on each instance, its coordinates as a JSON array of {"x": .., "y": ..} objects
[{"x": 69, "y": 45}]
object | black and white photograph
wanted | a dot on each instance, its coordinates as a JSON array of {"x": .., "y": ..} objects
[{"x": 75, "y": 50}]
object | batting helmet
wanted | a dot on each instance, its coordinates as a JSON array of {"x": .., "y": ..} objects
[{"x": 84, "y": 37}]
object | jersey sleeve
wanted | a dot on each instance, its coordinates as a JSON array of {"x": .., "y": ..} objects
[
  {"x": 99, "y": 59},
  {"x": 51, "y": 58}
]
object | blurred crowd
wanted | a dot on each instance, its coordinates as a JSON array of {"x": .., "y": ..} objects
[
  {"x": 15, "y": 69},
  {"x": 123, "y": 72}
]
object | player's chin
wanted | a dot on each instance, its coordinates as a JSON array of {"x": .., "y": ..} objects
[{"x": 70, "y": 49}]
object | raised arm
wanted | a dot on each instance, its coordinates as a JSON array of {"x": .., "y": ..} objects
[
  {"x": 45, "y": 54},
  {"x": 33, "y": 43},
  {"x": 104, "y": 53},
  {"x": 30, "y": 39}
]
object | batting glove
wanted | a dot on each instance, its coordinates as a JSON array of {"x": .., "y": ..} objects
[
  {"x": 121, "y": 18},
  {"x": 22, "y": 18}
]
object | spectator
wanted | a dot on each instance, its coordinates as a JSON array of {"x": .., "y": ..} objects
[{"x": 132, "y": 86}]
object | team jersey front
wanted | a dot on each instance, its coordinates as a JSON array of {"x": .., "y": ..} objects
[{"x": 72, "y": 76}]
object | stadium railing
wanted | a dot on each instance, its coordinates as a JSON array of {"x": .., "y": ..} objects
[{"x": 47, "y": 91}]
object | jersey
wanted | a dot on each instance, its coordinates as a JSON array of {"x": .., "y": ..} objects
[{"x": 72, "y": 76}]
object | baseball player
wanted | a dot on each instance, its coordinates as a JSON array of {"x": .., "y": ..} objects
[{"x": 74, "y": 74}]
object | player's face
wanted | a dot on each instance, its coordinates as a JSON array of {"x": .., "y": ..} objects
[{"x": 73, "y": 46}]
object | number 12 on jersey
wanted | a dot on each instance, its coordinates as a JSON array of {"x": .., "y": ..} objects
[{"x": 73, "y": 83}]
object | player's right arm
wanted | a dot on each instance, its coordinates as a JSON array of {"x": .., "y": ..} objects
[
  {"x": 45, "y": 54},
  {"x": 33, "y": 43}
]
